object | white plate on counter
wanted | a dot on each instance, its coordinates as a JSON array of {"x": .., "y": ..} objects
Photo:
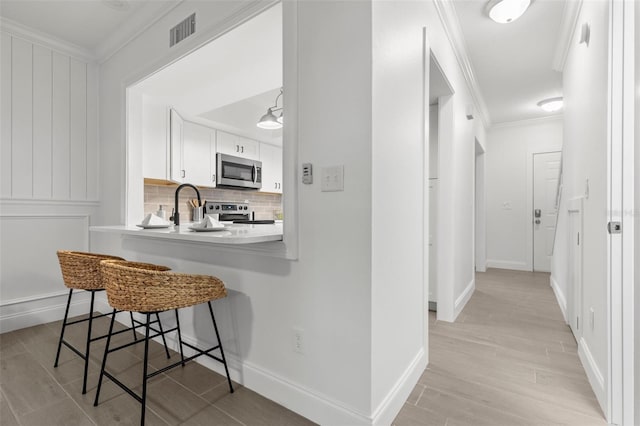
[
  {"x": 152, "y": 226},
  {"x": 207, "y": 229}
]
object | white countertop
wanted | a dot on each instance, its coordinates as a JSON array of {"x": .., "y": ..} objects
[{"x": 232, "y": 234}]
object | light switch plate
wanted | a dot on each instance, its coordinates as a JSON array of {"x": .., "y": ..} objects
[{"x": 332, "y": 179}]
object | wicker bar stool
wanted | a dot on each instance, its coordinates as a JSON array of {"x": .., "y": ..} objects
[
  {"x": 146, "y": 289},
  {"x": 81, "y": 271}
]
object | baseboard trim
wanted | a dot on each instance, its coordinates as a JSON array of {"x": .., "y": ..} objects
[
  {"x": 29, "y": 311},
  {"x": 507, "y": 264},
  {"x": 596, "y": 379},
  {"x": 462, "y": 300},
  {"x": 560, "y": 297},
  {"x": 317, "y": 407},
  {"x": 395, "y": 399}
]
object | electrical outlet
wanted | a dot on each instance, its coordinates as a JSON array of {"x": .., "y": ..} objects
[
  {"x": 592, "y": 318},
  {"x": 298, "y": 341}
]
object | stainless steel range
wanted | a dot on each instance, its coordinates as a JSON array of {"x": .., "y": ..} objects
[{"x": 228, "y": 211}]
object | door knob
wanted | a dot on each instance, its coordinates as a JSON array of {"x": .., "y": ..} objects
[{"x": 537, "y": 221}]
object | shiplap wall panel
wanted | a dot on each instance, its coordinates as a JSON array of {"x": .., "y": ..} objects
[
  {"x": 78, "y": 129},
  {"x": 5, "y": 117},
  {"x": 60, "y": 130},
  {"x": 92, "y": 135},
  {"x": 22, "y": 119},
  {"x": 42, "y": 113}
]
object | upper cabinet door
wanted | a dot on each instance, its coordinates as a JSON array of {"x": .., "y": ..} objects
[
  {"x": 196, "y": 154},
  {"x": 239, "y": 146},
  {"x": 176, "y": 124},
  {"x": 271, "y": 157}
]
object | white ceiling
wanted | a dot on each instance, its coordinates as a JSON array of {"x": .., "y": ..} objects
[
  {"x": 230, "y": 82},
  {"x": 512, "y": 62},
  {"x": 93, "y": 25}
]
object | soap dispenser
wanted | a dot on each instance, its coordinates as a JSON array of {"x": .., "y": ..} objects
[{"x": 161, "y": 212}]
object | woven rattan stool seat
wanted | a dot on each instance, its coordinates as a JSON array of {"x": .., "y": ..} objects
[
  {"x": 141, "y": 287},
  {"x": 151, "y": 289},
  {"x": 81, "y": 271}
]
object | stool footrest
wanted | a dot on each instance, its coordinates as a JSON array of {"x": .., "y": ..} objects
[{"x": 135, "y": 342}]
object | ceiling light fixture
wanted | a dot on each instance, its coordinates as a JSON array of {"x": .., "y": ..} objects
[
  {"x": 551, "y": 104},
  {"x": 506, "y": 11},
  {"x": 269, "y": 121}
]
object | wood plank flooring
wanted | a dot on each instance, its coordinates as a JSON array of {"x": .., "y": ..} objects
[
  {"x": 509, "y": 359},
  {"x": 33, "y": 393}
]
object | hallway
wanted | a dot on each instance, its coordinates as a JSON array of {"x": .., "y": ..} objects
[{"x": 509, "y": 359}]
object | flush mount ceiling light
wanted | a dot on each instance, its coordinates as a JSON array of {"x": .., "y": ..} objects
[
  {"x": 269, "y": 121},
  {"x": 505, "y": 11},
  {"x": 551, "y": 104}
]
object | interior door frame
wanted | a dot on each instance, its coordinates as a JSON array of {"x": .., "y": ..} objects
[{"x": 530, "y": 194}]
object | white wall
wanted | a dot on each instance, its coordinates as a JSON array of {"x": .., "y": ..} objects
[
  {"x": 48, "y": 172},
  {"x": 400, "y": 148},
  {"x": 508, "y": 171},
  {"x": 327, "y": 292},
  {"x": 585, "y": 158},
  {"x": 456, "y": 275},
  {"x": 637, "y": 214}
]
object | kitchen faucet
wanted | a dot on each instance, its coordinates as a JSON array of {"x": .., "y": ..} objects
[{"x": 176, "y": 214}]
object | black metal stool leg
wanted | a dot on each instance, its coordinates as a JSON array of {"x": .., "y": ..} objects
[
  {"x": 88, "y": 347},
  {"x": 144, "y": 368},
  {"x": 224, "y": 360},
  {"x": 133, "y": 327},
  {"x": 104, "y": 358},
  {"x": 179, "y": 337},
  {"x": 164, "y": 340},
  {"x": 64, "y": 325}
]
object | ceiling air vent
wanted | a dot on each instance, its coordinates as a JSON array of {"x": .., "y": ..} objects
[{"x": 183, "y": 30}]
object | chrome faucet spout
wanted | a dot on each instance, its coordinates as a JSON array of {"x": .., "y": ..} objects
[{"x": 176, "y": 213}]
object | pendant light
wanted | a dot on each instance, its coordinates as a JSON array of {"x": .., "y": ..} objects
[
  {"x": 269, "y": 121},
  {"x": 506, "y": 11}
]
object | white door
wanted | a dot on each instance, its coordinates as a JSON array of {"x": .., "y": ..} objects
[
  {"x": 433, "y": 250},
  {"x": 546, "y": 173},
  {"x": 574, "y": 291}
]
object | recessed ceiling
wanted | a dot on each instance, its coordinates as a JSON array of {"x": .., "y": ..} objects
[
  {"x": 83, "y": 23},
  {"x": 513, "y": 62}
]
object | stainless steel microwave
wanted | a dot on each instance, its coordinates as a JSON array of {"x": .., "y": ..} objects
[{"x": 236, "y": 172}]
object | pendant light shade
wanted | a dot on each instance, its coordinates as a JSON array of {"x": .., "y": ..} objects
[
  {"x": 269, "y": 121},
  {"x": 506, "y": 11}
]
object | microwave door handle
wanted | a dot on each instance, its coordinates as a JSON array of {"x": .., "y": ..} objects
[{"x": 253, "y": 173}]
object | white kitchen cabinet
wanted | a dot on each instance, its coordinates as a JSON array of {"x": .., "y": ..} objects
[
  {"x": 239, "y": 146},
  {"x": 197, "y": 152},
  {"x": 271, "y": 158},
  {"x": 176, "y": 132},
  {"x": 155, "y": 140}
]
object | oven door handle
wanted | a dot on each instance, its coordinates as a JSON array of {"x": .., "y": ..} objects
[{"x": 253, "y": 173}]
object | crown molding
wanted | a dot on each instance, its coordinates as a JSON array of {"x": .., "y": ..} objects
[
  {"x": 528, "y": 121},
  {"x": 133, "y": 27},
  {"x": 34, "y": 36},
  {"x": 451, "y": 23},
  {"x": 568, "y": 24}
]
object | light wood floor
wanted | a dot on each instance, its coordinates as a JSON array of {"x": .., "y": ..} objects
[{"x": 509, "y": 359}]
